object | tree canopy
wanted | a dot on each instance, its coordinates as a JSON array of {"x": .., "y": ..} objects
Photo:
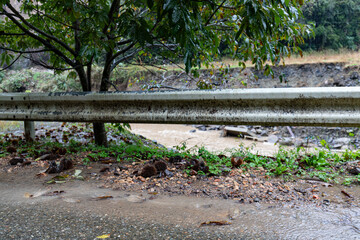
[
  {"x": 77, "y": 34},
  {"x": 336, "y": 24}
]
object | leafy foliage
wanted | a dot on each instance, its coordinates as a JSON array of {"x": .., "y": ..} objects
[
  {"x": 336, "y": 24},
  {"x": 76, "y": 34}
]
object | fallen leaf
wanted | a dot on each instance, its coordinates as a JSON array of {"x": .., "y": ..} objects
[
  {"x": 101, "y": 198},
  {"x": 54, "y": 193},
  {"x": 77, "y": 174},
  {"x": 103, "y": 236},
  {"x": 71, "y": 200},
  {"x": 41, "y": 174},
  {"x": 61, "y": 177},
  {"x": 105, "y": 169},
  {"x": 215, "y": 223},
  {"x": 136, "y": 199},
  {"x": 316, "y": 197},
  {"x": 28, "y": 195}
]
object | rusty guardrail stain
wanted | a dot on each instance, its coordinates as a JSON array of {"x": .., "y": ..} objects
[{"x": 263, "y": 106}]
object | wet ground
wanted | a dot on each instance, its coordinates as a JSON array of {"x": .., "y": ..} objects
[
  {"x": 32, "y": 209},
  {"x": 78, "y": 212}
]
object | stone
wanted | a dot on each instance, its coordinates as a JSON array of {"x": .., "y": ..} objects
[
  {"x": 273, "y": 139},
  {"x": 298, "y": 142},
  {"x": 286, "y": 142},
  {"x": 354, "y": 75},
  {"x": 135, "y": 199},
  {"x": 343, "y": 141},
  {"x": 238, "y": 131}
]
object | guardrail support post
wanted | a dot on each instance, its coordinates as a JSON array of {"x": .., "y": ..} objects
[{"x": 29, "y": 131}]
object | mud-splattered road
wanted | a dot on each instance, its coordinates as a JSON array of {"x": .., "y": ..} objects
[{"x": 77, "y": 213}]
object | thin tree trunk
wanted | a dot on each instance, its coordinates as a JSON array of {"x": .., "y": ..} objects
[
  {"x": 100, "y": 134},
  {"x": 99, "y": 128}
]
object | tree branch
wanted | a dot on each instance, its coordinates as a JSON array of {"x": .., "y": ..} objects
[
  {"x": 11, "y": 63},
  {"x": 44, "y": 65},
  {"x": 41, "y": 40},
  {"x": 122, "y": 51},
  {"x": 218, "y": 7},
  {"x": 114, "y": 7},
  {"x": 23, "y": 20},
  {"x": 2, "y": 33},
  {"x": 27, "y": 51}
]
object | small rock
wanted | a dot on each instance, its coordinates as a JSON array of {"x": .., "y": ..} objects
[
  {"x": 286, "y": 142},
  {"x": 168, "y": 173},
  {"x": 16, "y": 160},
  {"x": 273, "y": 139},
  {"x": 136, "y": 199},
  {"x": 354, "y": 170},
  {"x": 11, "y": 149},
  {"x": 192, "y": 131},
  {"x": 202, "y": 128},
  {"x": 354, "y": 75},
  {"x": 342, "y": 141},
  {"x": 148, "y": 171},
  {"x": 298, "y": 142}
]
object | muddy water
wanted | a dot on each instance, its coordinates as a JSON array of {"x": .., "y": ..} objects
[{"x": 171, "y": 135}]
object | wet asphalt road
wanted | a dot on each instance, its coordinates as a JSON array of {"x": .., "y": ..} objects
[{"x": 44, "y": 221}]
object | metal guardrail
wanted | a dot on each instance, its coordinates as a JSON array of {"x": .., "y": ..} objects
[{"x": 262, "y": 106}]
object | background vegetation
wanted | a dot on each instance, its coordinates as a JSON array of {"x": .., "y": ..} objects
[{"x": 336, "y": 24}]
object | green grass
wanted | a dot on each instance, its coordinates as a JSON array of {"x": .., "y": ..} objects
[{"x": 322, "y": 164}]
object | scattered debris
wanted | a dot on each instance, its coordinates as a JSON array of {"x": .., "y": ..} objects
[
  {"x": 136, "y": 199},
  {"x": 346, "y": 194},
  {"x": 215, "y": 223},
  {"x": 16, "y": 160},
  {"x": 64, "y": 164},
  {"x": 103, "y": 236},
  {"x": 236, "y": 161},
  {"x": 101, "y": 198}
]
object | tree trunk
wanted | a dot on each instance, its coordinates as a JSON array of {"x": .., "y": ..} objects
[
  {"x": 99, "y": 128},
  {"x": 100, "y": 134}
]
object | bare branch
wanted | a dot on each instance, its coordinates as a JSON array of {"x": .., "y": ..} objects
[
  {"x": 218, "y": 7},
  {"x": 162, "y": 86},
  {"x": 123, "y": 42},
  {"x": 25, "y": 51},
  {"x": 11, "y": 63},
  {"x": 41, "y": 40},
  {"x": 122, "y": 51},
  {"x": 2, "y": 33},
  {"x": 125, "y": 58},
  {"x": 114, "y": 7},
  {"x": 44, "y": 65},
  {"x": 23, "y": 20},
  {"x": 112, "y": 84}
]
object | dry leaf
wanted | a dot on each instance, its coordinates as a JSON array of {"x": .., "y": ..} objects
[
  {"x": 28, "y": 195},
  {"x": 54, "y": 193},
  {"x": 103, "y": 236},
  {"x": 101, "y": 198},
  {"x": 215, "y": 223}
]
